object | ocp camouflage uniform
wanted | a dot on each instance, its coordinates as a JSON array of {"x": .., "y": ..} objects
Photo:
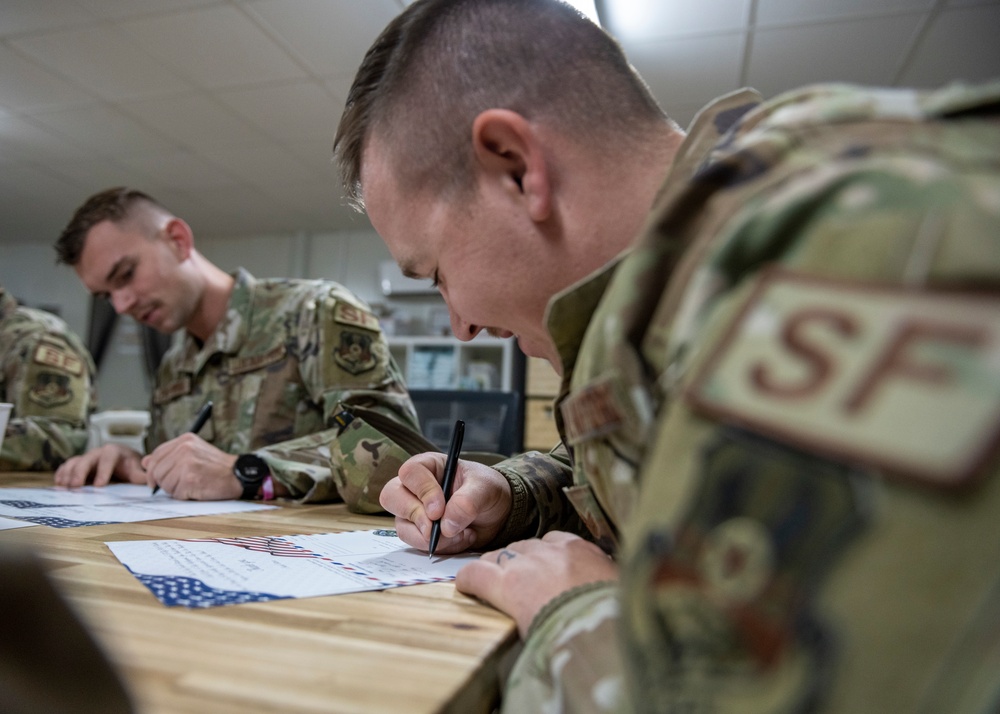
[
  {"x": 49, "y": 377},
  {"x": 786, "y": 402},
  {"x": 287, "y": 358}
]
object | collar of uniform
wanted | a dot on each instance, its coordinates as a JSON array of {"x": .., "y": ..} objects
[
  {"x": 7, "y": 304},
  {"x": 231, "y": 332},
  {"x": 707, "y": 128},
  {"x": 569, "y": 313}
]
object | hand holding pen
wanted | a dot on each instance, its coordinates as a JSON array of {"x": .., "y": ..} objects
[
  {"x": 199, "y": 421},
  {"x": 450, "y": 467}
]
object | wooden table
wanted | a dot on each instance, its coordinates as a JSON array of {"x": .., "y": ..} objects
[{"x": 423, "y": 648}]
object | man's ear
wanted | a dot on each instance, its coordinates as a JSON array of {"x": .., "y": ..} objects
[
  {"x": 179, "y": 237},
  {"x": 507, "y": 147}
]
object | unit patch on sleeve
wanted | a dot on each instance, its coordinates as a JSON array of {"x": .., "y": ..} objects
[
  {"x": 50, "y": 389},
  {"x": 903, "y": 380},
  {"x": 354, "y": 353}
]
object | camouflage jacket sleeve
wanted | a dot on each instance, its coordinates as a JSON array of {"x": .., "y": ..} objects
[
  {"x": 347, "y": 365},
  {"x": 49, "y": 378},
  {"x": 567, "y": 664},
  {"x": 538, "y": 502}
]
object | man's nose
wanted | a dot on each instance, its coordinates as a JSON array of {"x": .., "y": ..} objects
[
  {"x": 122, "y": 301},
  {"x": 463, "y": 330}
]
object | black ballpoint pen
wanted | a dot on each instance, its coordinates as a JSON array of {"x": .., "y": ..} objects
[
  {"x": 450, "y": 467},
  {"x": 199, "y": 421}
]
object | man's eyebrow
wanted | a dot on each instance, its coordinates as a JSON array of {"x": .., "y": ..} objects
[{"x": 116, "y": 268}]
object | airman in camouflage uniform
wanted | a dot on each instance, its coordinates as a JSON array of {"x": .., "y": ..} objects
[
  {"x": 288, "y": 365},
  {"x": 48, "y": 375},
  {"x": 780, "y": 407},
  {"x": 288, "y": 356},
  {"x": 825, "y": 395}
]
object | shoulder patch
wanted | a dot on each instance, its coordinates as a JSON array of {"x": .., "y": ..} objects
[
  {"x": 354, "y": 352},
  {"x": 57, "y": 357},
  {"x": 347, "y": 314},
  {"x": 903, "y": 380}
]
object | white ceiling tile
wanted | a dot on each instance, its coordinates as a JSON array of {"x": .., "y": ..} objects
[
  {"x": 260, "y": 164},
  {"x": 960, "y": 44},
  {"x": 323, "y": 202},
  {"x": 784, "y": 12},
  {"x": 217, "y": 46},
  {"x": 25, "y": 86},
  {"x": 646, "y": 19},
  {"x": 677, "y": 70},
  {"x": 329, "y": 35},
  {"x": 318, "y": 153},
  {"x": 864, "y": 52},
  {"x": 101, "y": 59},
  {"x": 103, "y": 130},
  {"x": 289, "y": 110},
  {"x": 23, "y": 140},
  {"x": 93, "y": 175},
  {"x": 235, "y": 211},
  {"x": 21, "y": 16},
  {"x": 120, "y": 9},
  {"x": 193, "y": 119},
  {"x": 179, "y": 169}
]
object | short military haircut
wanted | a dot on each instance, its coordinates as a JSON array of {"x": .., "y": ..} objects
[
  {"x": 440, "y": 63},
  {"x": 114, "y": 204}
]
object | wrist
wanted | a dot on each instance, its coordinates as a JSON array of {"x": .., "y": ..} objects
[{"x": 252, "y": 472}]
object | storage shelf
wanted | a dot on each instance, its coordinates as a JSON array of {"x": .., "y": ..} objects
[{"x": 430, "y": 362}]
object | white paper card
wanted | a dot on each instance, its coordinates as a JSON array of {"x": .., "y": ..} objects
[
  {"x": 226, "y": 571},
  {"x": 116, "y": 503}
]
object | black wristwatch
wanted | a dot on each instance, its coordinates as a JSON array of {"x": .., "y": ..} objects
[{"x": 251, "y": 470}]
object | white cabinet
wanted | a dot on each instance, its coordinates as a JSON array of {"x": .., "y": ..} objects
[{"x": 446, "y": 363}]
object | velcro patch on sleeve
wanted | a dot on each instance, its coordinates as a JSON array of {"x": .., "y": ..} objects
[
  {"x": 57, "y": 357},
  {"x": 347, "y": 314},
  {"x": 903, "y": 380}
]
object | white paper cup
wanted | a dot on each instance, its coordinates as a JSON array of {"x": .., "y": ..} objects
[{"x": 4, "y": 416}]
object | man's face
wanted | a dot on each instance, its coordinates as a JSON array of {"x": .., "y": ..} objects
[
  {"x": 479, "y": 250},
  {"x": 142, "y": 277}
]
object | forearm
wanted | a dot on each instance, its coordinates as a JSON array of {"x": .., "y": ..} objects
[{"x": 40, "y": 444}]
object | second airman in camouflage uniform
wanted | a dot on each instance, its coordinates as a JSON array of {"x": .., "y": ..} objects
[
  {"x": 48, "y": 375},
  {"x": 286, "y": 364},
  {"x": 288, "y": 356}
]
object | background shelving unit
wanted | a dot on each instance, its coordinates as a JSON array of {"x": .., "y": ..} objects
[{"x": 430, "y": 362}]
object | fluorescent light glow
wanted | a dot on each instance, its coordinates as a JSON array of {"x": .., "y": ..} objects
[{"x": 587, "y": 7}]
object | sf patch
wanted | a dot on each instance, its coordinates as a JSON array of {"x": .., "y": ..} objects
[
  {"x": 903, "y": 380},
  {"x": 56, "y": 357},
  {"x": 354, "y": 353},
  {"x": 50, "y": 389}
]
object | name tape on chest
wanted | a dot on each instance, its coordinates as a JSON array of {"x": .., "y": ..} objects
[
  {"x": 58, "y": 358},
  {"x": 906, "y": 381}
]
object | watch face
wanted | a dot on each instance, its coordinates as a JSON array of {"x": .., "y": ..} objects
[{"x": 251, "y": 470}]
